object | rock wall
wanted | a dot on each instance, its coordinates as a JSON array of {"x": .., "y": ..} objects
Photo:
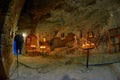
[
  {"x": 9, "y": 32},
  {"x": 80, "y": 16}
]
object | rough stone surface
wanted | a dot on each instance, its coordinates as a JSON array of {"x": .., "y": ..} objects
[
  {"x": 65, "y": 68},
  {"x": 77, "y": 16},
  {"x": 9, "y": 32}
]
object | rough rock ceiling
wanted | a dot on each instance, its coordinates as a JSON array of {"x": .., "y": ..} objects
[
  {"x": 89, "y": 12},
  {"x": 4, "y": 5},
  {"x": 37, "y": 8},
  {"x": 3, "y": 9}
]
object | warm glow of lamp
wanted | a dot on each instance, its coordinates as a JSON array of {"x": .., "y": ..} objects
[
  {"x": 44, "y": 39},
  {"x": 42, "y": 47},
  {"x": 33, "y": 46},
  {"x": 88, "y": 45},
  {"x": 24, "y": 35}
]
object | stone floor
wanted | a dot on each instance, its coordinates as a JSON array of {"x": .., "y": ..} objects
[{"x": 49, "y": 68}]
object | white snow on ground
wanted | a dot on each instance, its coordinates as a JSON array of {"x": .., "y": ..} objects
[{"x": 40, "y": 68}]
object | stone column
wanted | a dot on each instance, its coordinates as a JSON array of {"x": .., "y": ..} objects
[{"x": 10, "y": 24}]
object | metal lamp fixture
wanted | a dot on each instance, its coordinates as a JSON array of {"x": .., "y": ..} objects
[{"x": 88, "y": 45}]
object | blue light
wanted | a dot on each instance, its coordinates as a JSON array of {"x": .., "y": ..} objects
[{"x": 15, "y": 51}]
